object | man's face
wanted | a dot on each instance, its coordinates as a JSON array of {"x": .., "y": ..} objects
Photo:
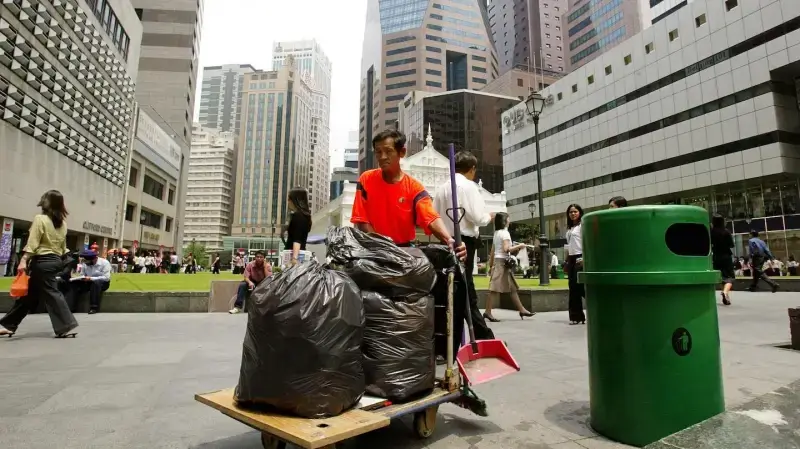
[
  {"x": 259, "y": 259},
  {"x": 91, "y": 261},
  {"x": 471, "y": 174},
  {"x": 387, "y": 156}
]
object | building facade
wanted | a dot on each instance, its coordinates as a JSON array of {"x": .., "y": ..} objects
[
  {"x": 317, "y": 71},
  {"x": 520, "y": 82},
  {"x": 431, "y": 45},
  {"x": 221, "y": 97},
  {"x": 659, "y": 9},
  {"x": 468, "y": 119},
  {"x": 274, "y": 148},
  {"x": 707, "y": 117},
  {"x": 529, "y": 33},
  {"x": 350, "y": 157},
  {"x": 151, "y": 202},
  {"x": 593, "y": 27},
  {"x": 67, "y": 104},
  {"x": 341, "y": 176},
  {"x": 209, "y": 195}
]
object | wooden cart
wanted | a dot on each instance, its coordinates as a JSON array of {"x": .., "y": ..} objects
[{"x": 277, "y": 429}]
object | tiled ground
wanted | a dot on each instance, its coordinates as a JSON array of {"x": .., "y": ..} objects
[{"x": 128, "y": 381}]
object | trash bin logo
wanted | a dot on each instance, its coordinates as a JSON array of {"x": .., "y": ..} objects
[{"x": 682, "y": 342}]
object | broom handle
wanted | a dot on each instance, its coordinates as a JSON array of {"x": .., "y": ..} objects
[{"x": 457, "y": 237}]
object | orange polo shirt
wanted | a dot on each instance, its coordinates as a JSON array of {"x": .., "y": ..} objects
[{"x": 393, "y": 210}]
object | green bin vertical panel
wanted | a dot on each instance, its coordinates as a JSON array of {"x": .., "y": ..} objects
[{"x": 648, "y": 379}]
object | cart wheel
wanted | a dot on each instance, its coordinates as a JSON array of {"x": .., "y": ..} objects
[
  {"x": 270, "y": 442},
  {"x": 425, "y": 422}
]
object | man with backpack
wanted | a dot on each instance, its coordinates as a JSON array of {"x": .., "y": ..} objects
[{"x": 759, "y": 252}]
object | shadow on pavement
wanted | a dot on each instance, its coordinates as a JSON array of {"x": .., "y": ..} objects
[{"x": 570, "y": 416}]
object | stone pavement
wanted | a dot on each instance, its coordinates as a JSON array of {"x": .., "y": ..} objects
[{"x": 128, "y": 381}]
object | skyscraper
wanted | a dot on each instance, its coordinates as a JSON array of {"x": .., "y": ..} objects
[
  {"x": 274, "y": 147},
  {"x": 221, "y": 96},
  {"x": 433, "y": 45},
  {"x": 529, "y": 33},
  {"x": 315, "y": 69}
]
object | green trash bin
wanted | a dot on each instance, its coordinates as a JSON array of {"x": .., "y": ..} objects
[{"x": 653, "y": 334}]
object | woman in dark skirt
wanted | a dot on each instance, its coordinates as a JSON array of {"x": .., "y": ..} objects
[
  {"x": 722, "y": 256},
  {"x": 575, "y": 264}
]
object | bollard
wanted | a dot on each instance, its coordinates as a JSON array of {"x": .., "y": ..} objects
[
  {"x": 794, "y": 327},
  {"x": 653, "y": 333}
]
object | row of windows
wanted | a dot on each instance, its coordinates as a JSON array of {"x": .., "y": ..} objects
[
  {"x": 433, "y": 84},
  {"x": 399, "y": 15},
  {"x": 711, "y": 106},
  {"x": 478, "y": 58},
  {"x": 457, "y": 10},
  {"x": 478, "y": 80},
  {"x": 401, "y": 73},
  {"x": 455, "y": 42},
  {"x": 612, "y": 37},
  {"x": 595, "y": 15},
  {"x": 459, "y": 22},
  {"x": 580, "y": 11},
  {"x": 604, "y": 25},
  {"x": 397, "y": 51},
  {"x": 433, "y": 49},
  {"x": 102, "y": 10},
  {"x": 397, "y": 40},
  {"x": 454, "y": 31},
  {"x": 433, "y": 72},
  {"x": 478, "y": 69},
  {"x": 391, "y": 98},
  {"x": 433, "y": 60},
  {"x": 401, "y": 62},
  {"x": 401, "y": 85}
]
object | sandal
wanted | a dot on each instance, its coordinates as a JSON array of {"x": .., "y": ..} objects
[
  {"x": 6, "y": 333},
  {"x": 67, "y": 335}
]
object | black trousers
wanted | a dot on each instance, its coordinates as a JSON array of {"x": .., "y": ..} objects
[
  {"x": 482, "y": 330},
  {"x": 758, "y": 274},
  {"x": 576, "y": 292},
  {"x": 94, "y": 288},
  {"x": 43, "y": 286}
]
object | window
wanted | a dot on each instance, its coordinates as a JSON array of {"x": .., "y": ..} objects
[
  {"x": 628, "y": 59},
  {"x": 150, "y": 219},
  {"x": 479, "y": 80},
  {"x": 700, "y": 20},
  {"x": 388, "y": 64},
  {"x": 478, "y": 58},
  {"x": 401, "y": 73},
  {"x": 519, "y": 82},
  {"x": 478, "y": 69},
  {"x": 560, "y": 96},
  {"x": 168, "y": 225},
  {"x": 574, "y": 88},
  {"x": 558, "y": 47},
  {"x": 400, "y": 39},
  {"x": 609, "y": 70},
  {"x": 433, "y": 72},
  {"x": 649, "y": 48},
  {"x": 673, "y": 35},
  {"x": 730, "y": 4},
  {"x": 400, "y": 50},
  {"x": 401, "y": 85},
  {"x": 130, "y": 209},
  {"x": 590, "y": 79},
  {"x": 433, "y": 84},
  {"x": 433, "y": 49},
  {"x": 546, "y": 45},
  {"x": 133, "y": 177},
  {"x": 171, "y": 196},
  {"x": 433, "y": 61},
  {"x": 558, "y": 38},
  {"x": 153, "y": 188}
]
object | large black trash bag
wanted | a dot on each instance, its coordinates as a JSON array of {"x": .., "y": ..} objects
[
  {"x": 302, "y": 351},
  {"x": 399, "y": 360},
  {"x": 444, "y": 261},
  {"x": 377, "y": 264}
]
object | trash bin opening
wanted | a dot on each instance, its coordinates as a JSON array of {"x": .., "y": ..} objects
[{"x": 688, "y": 239}]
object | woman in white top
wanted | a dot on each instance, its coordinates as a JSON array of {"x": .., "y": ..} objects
[
  {"x": 575, "y": 264},
  {"x": 501, "y": 275}
]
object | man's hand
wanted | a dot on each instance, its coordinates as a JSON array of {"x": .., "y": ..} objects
[
  {"x": 87, "y": 278},
  {"x": 251, "y": 285},
  {"x": 22, "y": 267},
  {"x": 461, "y": 250}
]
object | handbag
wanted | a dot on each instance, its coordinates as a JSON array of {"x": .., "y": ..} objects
[{"x": 19, "y": 287}]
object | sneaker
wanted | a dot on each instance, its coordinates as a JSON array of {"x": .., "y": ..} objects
[
  {"x": 775, "y": 288},
  {"x": 725, "y": 299},
  {"x": 235, "y": 310},
  {"x": 440, "y": 360},
  {"x": 92, "y": 311}
]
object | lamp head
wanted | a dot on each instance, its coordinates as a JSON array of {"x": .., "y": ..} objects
[{"x": 535, "y": 104}]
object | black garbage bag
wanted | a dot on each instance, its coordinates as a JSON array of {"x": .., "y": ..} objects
[
  {"x": 302, "y": 350},
  {"x": 444, "y": 261},
  {"x": 378, "y": 265},
  {"x": 399, "y": 360}
]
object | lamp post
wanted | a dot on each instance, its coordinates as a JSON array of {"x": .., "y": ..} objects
[
  {"x": 142, "y": 220},
  {"x": 272, "y": 242},
  {"x": 535, "y": 105}
]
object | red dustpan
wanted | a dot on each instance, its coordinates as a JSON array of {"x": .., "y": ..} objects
[{"x": 485, "y": 360}]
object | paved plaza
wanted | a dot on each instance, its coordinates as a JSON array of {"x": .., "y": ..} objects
[{"x": 128, "y": 381}]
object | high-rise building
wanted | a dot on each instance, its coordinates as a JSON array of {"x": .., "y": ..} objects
[
  {"x": 274, "y": 148},
  {"x": 660, "y": 9},
  {"x": 432, "y": 45},
  {"x": 340, "y": 177},
  {"x": 528, "y": 34},
  {"x": 209, "y": 195},
  {"x": 67, "y": 108},
  {"x": 221, "y": 96},
  {"x": 316, "y": 70},
  {"x": 350, "y": 158},
  {"x": 167, "y": 79},
  {"x": 594, "y": 27}
]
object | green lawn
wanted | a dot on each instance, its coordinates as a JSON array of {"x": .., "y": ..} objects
[{"x": 201, "y": 282}]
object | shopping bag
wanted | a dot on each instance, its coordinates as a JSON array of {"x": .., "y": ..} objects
[{"x": 19, "y": 288}]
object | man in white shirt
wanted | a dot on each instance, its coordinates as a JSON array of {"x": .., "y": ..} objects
[
  {"x": 95, "y": 279},
  {"x": 553, "y": 265},
  {"x": 475, "y": 216}
]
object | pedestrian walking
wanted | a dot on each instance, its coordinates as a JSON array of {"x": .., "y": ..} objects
[
  {"x": 299, "y": 223},
  {"x": 215, "y": 265},
  {"x": 759, "y": 253},
  {"x": 792, "y": 266},
  {"x": 617, "y": 202},
  {"x": 722, "y": 255},
  {"x": 575, "y": 264},
  {"x": 475, "y": 216},
  {"x": 502, "y": 266},
  {"x": 43, "y": 261}
]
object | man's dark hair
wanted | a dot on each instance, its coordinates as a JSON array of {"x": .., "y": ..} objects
[
  {"x": 260, "y": 253},
  {"x": 754, "y": 233},
  {"x": 465, "y": 161},
  {"x": 398, "y": 137}
]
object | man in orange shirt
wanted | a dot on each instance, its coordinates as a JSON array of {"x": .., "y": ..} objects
[{"x": 391, "y": 203}]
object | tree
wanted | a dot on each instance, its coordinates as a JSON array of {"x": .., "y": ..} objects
[
  {"x": 198, "y": 250},
  {"x": 521, "y": 232}
]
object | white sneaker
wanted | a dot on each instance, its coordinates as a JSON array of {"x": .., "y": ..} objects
[{"x": 235, "y": 310}]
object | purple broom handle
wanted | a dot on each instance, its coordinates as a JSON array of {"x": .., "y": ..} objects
[{"x": 454, "y": 193}]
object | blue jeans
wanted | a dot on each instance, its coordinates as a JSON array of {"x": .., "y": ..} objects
[{"x": 242, "y": 294}]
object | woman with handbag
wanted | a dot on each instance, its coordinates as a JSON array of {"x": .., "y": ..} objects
[
  {"x": 502, "y": 266},
  {"x": 43, "y": 261},
  {"x": 575, "y": 264}
]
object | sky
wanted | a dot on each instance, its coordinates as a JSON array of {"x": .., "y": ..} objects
[{"x": 242, "y": 32}]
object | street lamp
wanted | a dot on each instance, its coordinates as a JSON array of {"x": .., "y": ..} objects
[
  {"x": 142, "y": 220},
  {"x": 535, "y": 105},
  {"x": 272, "y": 241}
]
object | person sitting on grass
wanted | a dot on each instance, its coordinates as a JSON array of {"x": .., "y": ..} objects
[
  {"x": 255, "y": 272},
  {"x": 95, "y": 279}
]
